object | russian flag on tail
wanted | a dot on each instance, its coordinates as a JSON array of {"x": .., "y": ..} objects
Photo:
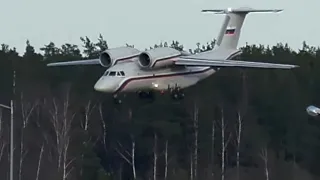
[{"x": 230, "y": 30}]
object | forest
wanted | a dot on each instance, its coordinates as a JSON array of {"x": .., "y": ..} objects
[{"x": 237, "y": 124}]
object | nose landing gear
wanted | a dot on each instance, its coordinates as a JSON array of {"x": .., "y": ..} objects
[{"x": 116, "y": 99}]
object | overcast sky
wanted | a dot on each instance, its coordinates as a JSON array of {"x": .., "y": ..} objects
[{"x": 146, "y": 22}]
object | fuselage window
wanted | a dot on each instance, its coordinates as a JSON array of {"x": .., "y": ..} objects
[
  {"x": 122, "y": 73},
  {"x": 106, "y": 73},
  {"x": 118, "y": 74},
  {"x": 112, "y": 73}
]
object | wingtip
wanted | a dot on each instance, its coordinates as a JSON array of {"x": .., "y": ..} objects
[
  {"x": 205, "y": 10},
  {"x": 51, "y": 64},
  {"x": 294, "y": 66},
  {"x": 278, "y": 10},
  {"x": 212, "y": 10}
]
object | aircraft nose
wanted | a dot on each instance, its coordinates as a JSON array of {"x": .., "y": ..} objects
[{"x": 106, "y": 85}]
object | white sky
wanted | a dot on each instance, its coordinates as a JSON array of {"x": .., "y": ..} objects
[{"x": 146, "y": 22}]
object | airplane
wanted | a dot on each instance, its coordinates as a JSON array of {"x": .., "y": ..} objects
[{"x": 166, "y": 69}]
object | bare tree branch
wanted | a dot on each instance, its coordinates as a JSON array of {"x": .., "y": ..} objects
[
  {"x": 126, "y": 151},
  {"x": 3, "y": 143},
  {"x": 61, "y": 122},
  {"x": 3, "y": 146},
  {"x": 195, "y": 145},
  {"x": 85, "y": 126},
  {"x": 238, "y": 130},
  {"x": 1, "y": 122},
  {"x": 123, "y": 156},
  {"x": 132, "y": 155},
  {"x": 264, "y": 156},
  {"x": 39, "y": 161},
  {"x": 155, "y": 157},
  {"x": 212, "y": 146},
  {"x": 104, "y": 126},
  {"x": 27, "y": 109},
  {"x": 166, "y": 161},
  {"x": 224, "y": 144},
  {"x": 88, "y": 111}
]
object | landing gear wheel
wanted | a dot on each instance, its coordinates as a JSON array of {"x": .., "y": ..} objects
[
  {"x": 177, "y": 94},
  {"x": 182, "y": 95}
]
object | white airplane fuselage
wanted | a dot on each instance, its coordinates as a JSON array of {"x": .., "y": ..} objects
[
  {"x": 165, "y": 68},
  {"x": 128, "y": 77}
]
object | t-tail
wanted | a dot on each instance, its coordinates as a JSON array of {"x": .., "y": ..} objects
[
  {"x": 227, "y": 42},
  {"x": 229, "y": 35}
]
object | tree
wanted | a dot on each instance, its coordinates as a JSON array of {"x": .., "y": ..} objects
[
  {"x": 129, "y": 155},
  {"x": 88, "y": 158},
  {"x": 264, "y": 157},
  {"x": 71, "y": 51},
  {"x": 224, "y": 144},
  {"x": 61, "y": 120},
  {"x": 3, "y": 142},
  {"x": 50, "y": 50},
  {"x": 102, "y": 44},
  {"x": 90, "y": 50},
  {"x": 27, "y": 109},
  {"x": 194, "y": 160},
  {"x": 261, "y": 108},
  {"x": 30, "y": 51}
]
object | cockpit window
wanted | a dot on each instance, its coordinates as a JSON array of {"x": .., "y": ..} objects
[
  {"x": 112, "y": 73},
  {"x": 106, "y": 73}
]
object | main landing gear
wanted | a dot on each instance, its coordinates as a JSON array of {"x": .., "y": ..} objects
[
  {"x": 177, "y": 93},
  {"x": 116, "y": 99},
  {"x": 143, "y": 95}
]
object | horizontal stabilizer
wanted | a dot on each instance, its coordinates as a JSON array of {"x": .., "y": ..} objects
[
  {"x": 232, "y": 63},
  {"x": 240, "y": 10},
  {"x": 75, "y": 63}
]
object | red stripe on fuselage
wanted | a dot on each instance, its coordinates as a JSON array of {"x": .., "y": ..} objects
[
  {"x": 127, "y": 81},
  {"x": 123, "y": 85}
]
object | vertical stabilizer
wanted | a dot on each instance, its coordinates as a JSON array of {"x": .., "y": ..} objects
[{"x": 229, "y": 35}]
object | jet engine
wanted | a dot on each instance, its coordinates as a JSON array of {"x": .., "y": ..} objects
[
  {"x": 158, "y": 57},
  {"x": 112, "y": 56},
  {"x": 313, "y": 110}
]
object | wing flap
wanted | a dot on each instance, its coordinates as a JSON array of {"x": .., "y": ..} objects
[
  {"x": 232, "y": 63},
  {"x": 75, "y": 63}
]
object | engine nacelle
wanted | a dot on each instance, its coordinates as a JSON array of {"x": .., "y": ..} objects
[
  {"x": 112, "y": 56},
  {"x": 158, "y": 57}
]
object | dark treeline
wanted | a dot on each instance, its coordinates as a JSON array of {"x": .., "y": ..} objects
[{"x": 237, "y": 124}]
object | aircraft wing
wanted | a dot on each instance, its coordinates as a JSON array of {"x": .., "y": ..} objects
[
  {"x": 75, "y": 63},
  {"x": 230, "y": 63}
]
